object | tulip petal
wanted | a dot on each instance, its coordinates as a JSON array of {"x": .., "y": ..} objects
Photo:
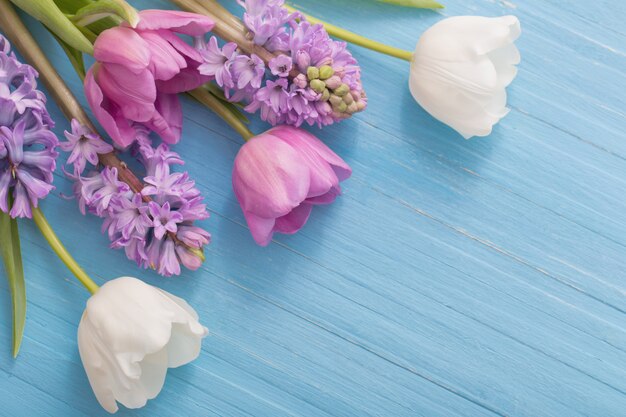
[
  {"x": 463, "y": 38},
  {"x": 269, "y": 177},
  {"x": 181, "y": 22},
  {"x": 153, "y": 372},
  {"x": 262, "y": 229},
  {"x": 181, "y": 46},
  {"x": 184, "y": 345},
  {"x": 341, "y": 168},
  {"x": 122, "y": 46},
  {"x": 116, "y": 126},
  {"x": 167, "y": 120},
  {"x": 96, "y": 368},
  {"x": 135, "y": 94},
  {"x": 292, "y": 222},
  {"x": 187, "y": 79},
  {"x": 327, "y": 198},
  {"x": 165, "y": 61}
]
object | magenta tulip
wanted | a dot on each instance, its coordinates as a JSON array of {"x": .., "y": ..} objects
[
  {"x": 140, "y": 70},
  {"x": 280, "y": 175}
]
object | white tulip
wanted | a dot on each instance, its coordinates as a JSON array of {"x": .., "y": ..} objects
[
  {"x": 129, "y": 335},
  {"x": 460, "y": 69}
]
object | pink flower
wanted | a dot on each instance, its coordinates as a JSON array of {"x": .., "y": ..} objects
[
  {"x": 280, "y": 175},
  {"x": 140, "y": 70}
]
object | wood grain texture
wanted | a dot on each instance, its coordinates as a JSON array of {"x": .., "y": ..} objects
[{"x": 452, "y": 278}]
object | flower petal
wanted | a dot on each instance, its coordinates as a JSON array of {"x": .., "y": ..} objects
[
  {"x": 269, "y": 177},
  {"x": 165, "y": 61},
  {"x": 116, "y": 126},
  {"x": 292, "y": 222},
  {"x": 122, "y": 46},
  {"x": 262, "y": 229},
  {"x": 167, "y": 120},
  {"x": 341, "y": 168},
  {"x": 181, "y": 22},
  {"x": 134, "y": 93}
]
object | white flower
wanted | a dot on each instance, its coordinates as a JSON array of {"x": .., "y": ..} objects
[
  {"x": 128, "y": 337},
  {"x": 460, "y": 69}
]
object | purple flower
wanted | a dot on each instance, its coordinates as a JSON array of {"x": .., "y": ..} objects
[
  {"x": 281, "y": 65},
  {"x": 157, "y": 233},
  {"x": 139, "y": 72},
  {"x": 130, "y": 216},
  {"x": 266, "y": 19},
  {"x": 99, "y": 190},
  {"x": 326, "y": 90},
  {"x": 193, "y": 236},
  {"x": 85, "y": 146},
  {"x": 248, "y": 71},
  {"x": 280, "y": 175},
  {"x": 163, "y": 219},
  {"x": 27, "y": 146},
  {"x": 216, "y": 61}
]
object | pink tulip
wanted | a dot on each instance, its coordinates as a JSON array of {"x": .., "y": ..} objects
[
  {"x": 280, "y": 175},
  {"x": 140, "y": 70}
]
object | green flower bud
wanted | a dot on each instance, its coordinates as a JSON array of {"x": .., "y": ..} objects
[
  {"x": 341, "y": 107},
  {"x": 325, "y": 94},
  {"x": 348, "y": 99},
  {"x": 312, "y": 73},
  {"x": 342, "y": 90},
  {"x": 326, "y": 71},
  {"x": 318, "y": 86},
  {"x": 335, "y": 100}
]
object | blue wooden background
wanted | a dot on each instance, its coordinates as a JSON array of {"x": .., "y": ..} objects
[{"x": 453, "y": 278}]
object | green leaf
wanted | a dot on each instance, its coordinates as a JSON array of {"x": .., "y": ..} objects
[
  {"x": 420, "y": 4},
  {"x": 75, "y": 57},
  {"x": 71, "y": 6},
  {"x": 12, "y": 257},
  {"x": 47, "y": 12},
  {"x": 102, "y": 9}
]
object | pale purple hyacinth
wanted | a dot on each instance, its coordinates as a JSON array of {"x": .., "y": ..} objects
[
  {"x": 249, "y": 71},
  {"x": 217, "y": 61},
  {"x": 84, "y": 145},
  {"x": 323, "y": 80},
  {"x": 27, "y": 145},
  {"x": 154, "y": 225}
]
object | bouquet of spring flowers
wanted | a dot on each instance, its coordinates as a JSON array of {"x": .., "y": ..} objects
[{"x": 274, "y": 62}]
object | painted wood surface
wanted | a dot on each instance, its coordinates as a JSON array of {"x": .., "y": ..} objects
[{"x": 452, "y": 278}]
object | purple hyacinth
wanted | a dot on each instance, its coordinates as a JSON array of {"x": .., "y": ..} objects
[
  {"x": 155, "y": 226},
  {"x": 322, "y": 79},
  {"x": 27, "y": 145},
  {"x": 84, "y": 146}
]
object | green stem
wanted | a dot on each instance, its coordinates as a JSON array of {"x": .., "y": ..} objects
[
  {"x": 205, "y": 97},
  {"x": 61, "y": 252},
  {"x": 352, "y": 37}
]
